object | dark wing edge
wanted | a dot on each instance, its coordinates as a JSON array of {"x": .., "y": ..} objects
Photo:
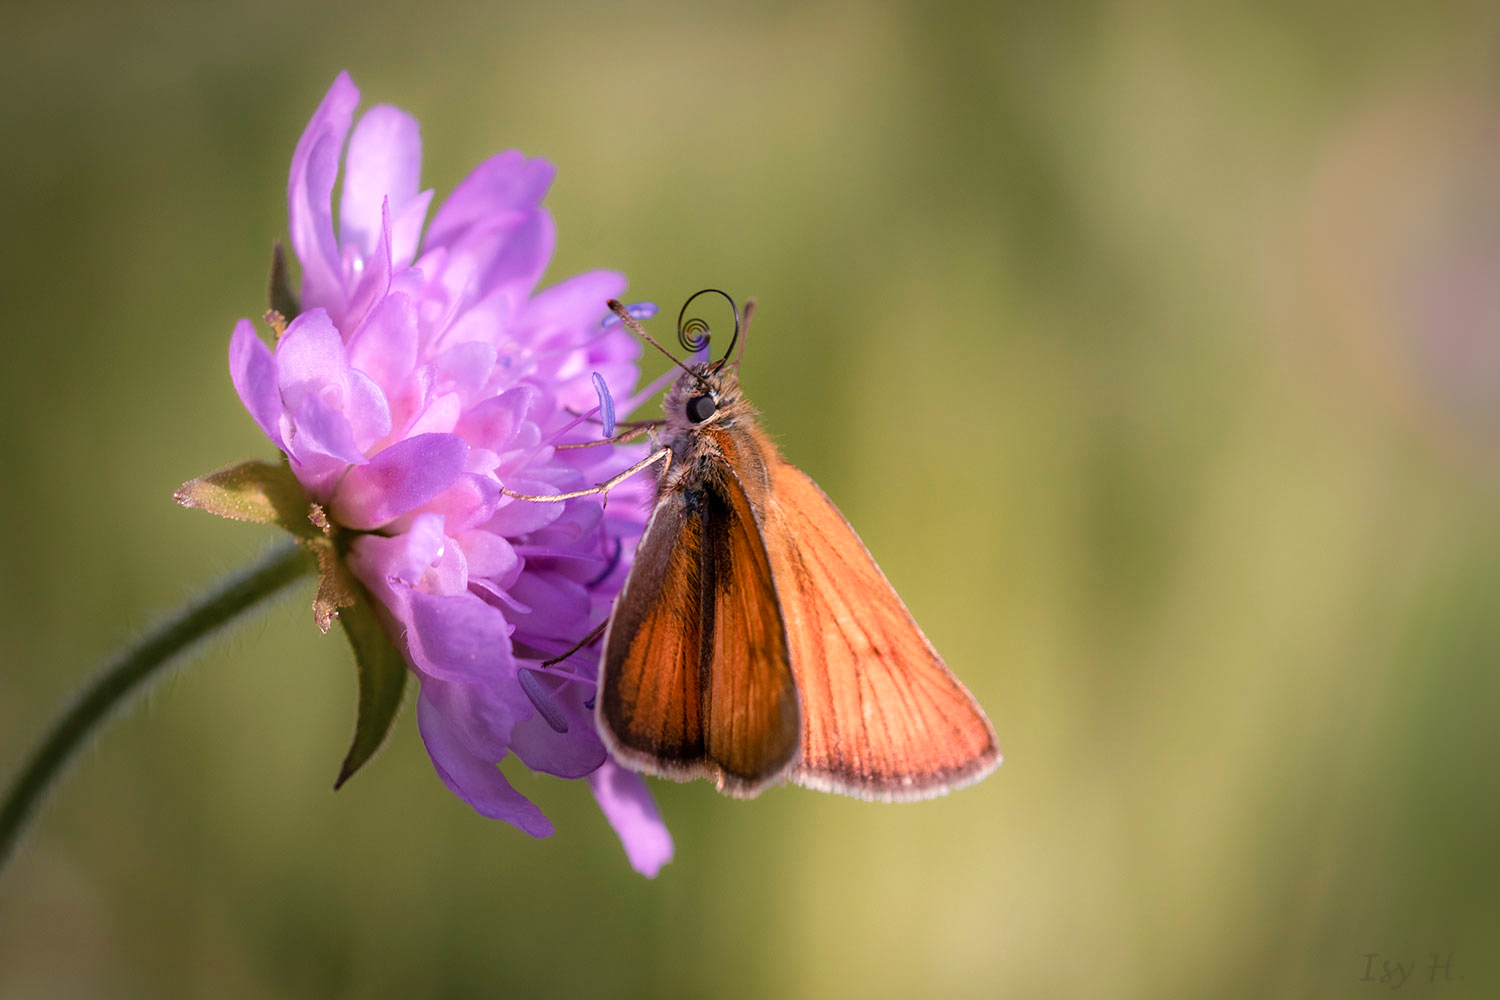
[{"x": 648, "y": 708}]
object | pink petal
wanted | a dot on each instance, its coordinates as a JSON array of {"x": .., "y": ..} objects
[
  {"x": 487, "y": 320},
  {"x": 457, "y": 636},
  {"x": 385, "y": 344},
  {"x": 309, "y": 356},
  {"x": 576, "y": 524},
  {"x": 489, "y": 554},
  {"x": 495, "y": 595},
  {"x": 577, "y": 303},
  {"x": 469, "y": 501},
  {"x": 482, "y": 461},
  {"x": 365, "y": 407},
  {"x": 516, "y": 517},
  {"x": 406, "y": 229},
  {"x": 626, "y": 802},
  {"x": 559, "y": 606},
  {"x": 384, "y": 161},
  {"x": 464, "y": 368},
  {"x": 507, "y": 182},
  {"x": 519, "y": 454},
  {"x": 315, "y": 165},
  {"x": 322, "y": 431},
  {"x": 493, "y": 423},
  {"x": 439, "y": 416},
  {"x": 571, "y": 754},
  {"x": 398, "y": 479},
  {"x": 450, "y": 574},
  {"x": 253, "y": 371},
  {"x": 473, "y": 778},
  {"x": 517, "y": 257},
  {"x": 379, "y": 559},
  {"x": 372, "y": 274},
  {"x": 479, "y": 716}
]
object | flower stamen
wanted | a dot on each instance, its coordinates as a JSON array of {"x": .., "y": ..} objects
[{"x": 542, "y": 699}]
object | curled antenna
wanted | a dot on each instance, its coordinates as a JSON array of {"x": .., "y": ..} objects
[
  {"x": 693, "y": 334},
  {"x": 634, "y": 326}
]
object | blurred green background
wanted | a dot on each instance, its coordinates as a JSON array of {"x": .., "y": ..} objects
[{"x": 1153, "y": 351}]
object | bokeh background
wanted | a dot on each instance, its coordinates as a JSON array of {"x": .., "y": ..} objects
[{"x": 1155, "y": 352}]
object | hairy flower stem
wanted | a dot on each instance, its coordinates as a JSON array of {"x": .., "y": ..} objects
[{"x": 135, "y": 666}]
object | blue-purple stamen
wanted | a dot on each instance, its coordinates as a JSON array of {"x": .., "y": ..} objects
[
  {"x": 638, "y": 311},
  {"x": 606, "y": 405},
  {"x": 543, "y": 700}
]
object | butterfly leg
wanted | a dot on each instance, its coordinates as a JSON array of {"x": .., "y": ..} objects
[
  {"x": 658, "y": 422},
  {"x": 637, "y": 428},
  {"x": 596, "y": 633},
  {"x": 604, "y": 487}
]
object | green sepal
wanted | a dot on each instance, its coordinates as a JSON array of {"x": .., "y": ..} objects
[
  {"x": 337, "y": 588},
  {"x": 254, "y": 491},
  {"x": 382, "y": 680},
  {"x": 268, "y": 493},
  {"x": 282, "y": 298}
]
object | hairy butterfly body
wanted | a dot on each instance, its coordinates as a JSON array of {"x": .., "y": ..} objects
[{"x": 755, "y": 639}]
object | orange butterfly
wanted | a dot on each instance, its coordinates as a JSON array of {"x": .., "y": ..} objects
[{"x": 755, "y": 639}]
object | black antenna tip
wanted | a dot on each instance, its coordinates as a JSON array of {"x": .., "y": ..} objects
[{"x": 694, "y": 333}]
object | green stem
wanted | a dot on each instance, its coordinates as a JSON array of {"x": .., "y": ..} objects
[{"x": 129, "y": 672}]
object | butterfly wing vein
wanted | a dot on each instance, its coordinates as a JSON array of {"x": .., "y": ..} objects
[{"x": 882, "y": 716}]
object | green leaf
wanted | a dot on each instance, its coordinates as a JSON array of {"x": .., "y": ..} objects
[
  {"x": 253, "y": 491},
  {"x": 382, "y": 679}
]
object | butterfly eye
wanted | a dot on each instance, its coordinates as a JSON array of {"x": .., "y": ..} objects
[{"x": 700, "y": 408}]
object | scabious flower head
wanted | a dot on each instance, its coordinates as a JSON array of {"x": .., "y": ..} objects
[{"x": 424, "y": 371}]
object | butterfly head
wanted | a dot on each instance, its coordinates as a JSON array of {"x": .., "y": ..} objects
[
  {"x": 705, "y": 395},
  {"x": 707, "y": 392}
]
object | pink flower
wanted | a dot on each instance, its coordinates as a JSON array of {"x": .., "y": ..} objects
[{"x": 425, "y": 371}]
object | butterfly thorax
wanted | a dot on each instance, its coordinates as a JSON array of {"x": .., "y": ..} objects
[{"x": 712, "y": 429}]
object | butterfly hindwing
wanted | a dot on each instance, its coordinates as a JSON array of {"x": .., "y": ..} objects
[{"x": 882, "y": 716}]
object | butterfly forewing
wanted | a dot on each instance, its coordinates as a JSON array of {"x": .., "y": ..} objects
[
  {"x": 752, "y": 715},
  {"x": 882, "y": 716},
  {"x": 650, "y": 690},
  {"x": 695, "y": 679}
]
